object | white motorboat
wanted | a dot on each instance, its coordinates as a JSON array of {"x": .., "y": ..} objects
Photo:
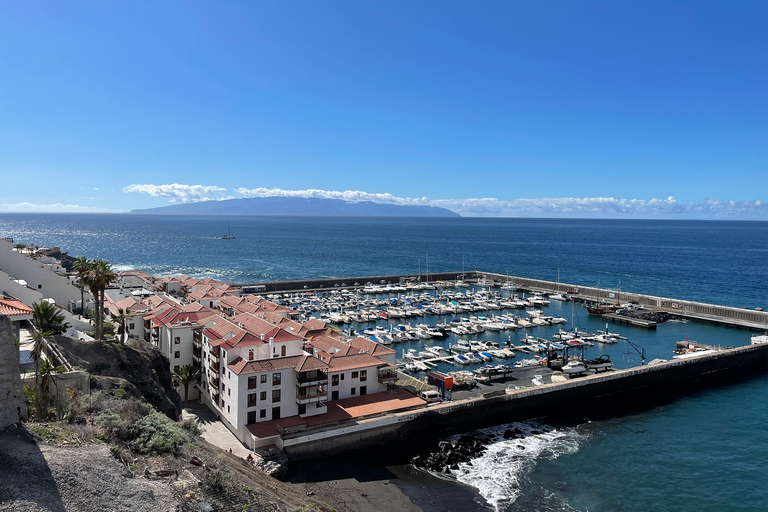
[
  {"x": 460, "y": 359},
  {"x": 574, "y": 367}
]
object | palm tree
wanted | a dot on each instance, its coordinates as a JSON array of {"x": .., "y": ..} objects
[
  {"x": 185, "y": 377},
  {"x": 82, "y": 266},
  {"x": 97, "y": 279},
  {"x": 122, "y": 318},
  {"x": 47, "y": 317},
  {"x": 37, "y": 349},
  {"x": 47, "y": 375}
]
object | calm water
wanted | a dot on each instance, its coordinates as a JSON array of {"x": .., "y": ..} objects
[{"x": 708, "y": 451}]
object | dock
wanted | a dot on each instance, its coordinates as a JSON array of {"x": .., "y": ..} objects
[{"x": 627, "y": 320}]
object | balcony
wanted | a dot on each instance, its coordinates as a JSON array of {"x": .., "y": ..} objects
[
  {"x": 214, "y": 379},
  {"x": 197, "y": 353},
  {"x": 311, "y": 395},
  {"x": 313, "y": 378},
  {"x": 197, "y": 337},
  {"x": 387, "y": 375}
]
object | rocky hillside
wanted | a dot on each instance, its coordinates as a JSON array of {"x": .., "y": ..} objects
[{"x": 137, "y": 369}]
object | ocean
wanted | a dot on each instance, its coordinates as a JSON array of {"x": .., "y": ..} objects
[{"x": 704, "y": 451}]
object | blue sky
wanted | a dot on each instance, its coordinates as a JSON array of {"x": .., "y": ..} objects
[{"x": 614, "y": 109}]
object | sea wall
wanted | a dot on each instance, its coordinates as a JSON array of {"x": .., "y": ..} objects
[{"x": 602, "y": 393}]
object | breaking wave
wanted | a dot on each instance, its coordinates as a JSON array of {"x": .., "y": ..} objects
[{"x": 501, "y": 471}]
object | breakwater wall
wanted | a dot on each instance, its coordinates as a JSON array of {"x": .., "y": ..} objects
[
  {"x": 605, "y": 393},
  {"x": 737, "y": 317},
  {"x": 352, "y": 282}
]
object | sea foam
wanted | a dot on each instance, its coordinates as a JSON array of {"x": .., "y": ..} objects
[{"x": 500, "y": 472}]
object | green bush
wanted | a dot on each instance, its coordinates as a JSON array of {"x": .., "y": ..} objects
[
  {"x": 214, "y": 478},
  {"x": 152, "y": 434},
  {"x": 190, "y": 426}
]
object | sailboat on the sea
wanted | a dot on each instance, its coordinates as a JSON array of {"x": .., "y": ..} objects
[{"x": 228, "y": 236}]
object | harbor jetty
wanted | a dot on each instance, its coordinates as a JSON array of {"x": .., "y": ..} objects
[{"x": 597, "y": 393}]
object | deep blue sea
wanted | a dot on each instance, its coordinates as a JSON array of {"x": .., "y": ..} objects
[{"x": 706, "y": 451}]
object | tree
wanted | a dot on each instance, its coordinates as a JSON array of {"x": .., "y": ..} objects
[
  {"x": 47, "y": 317},
  {"x": 82, "y": 266},
  {"x": 122, "y": 318},
  {"x": 37, "y": 349},
  {"x": 185, "y": 377},
  {"x": 97, "y": 279},
  {"x": 47, "y": 375}
]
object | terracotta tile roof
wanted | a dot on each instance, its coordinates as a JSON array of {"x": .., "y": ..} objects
[
  {"x": 341, "y": 410},
  {"x": 310, "y": 363},
  {"x": 13, "y": 307},
  {"x": 342, "y": 363},
  {"x": 315, "y": 323},
  {"x": 240, "y": 366},
  {"x": 371, "y": 347}
]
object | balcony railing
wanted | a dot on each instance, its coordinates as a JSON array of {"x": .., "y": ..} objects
[
  {"x": 197, "y": 353},
  {"x": 389, "y": 375},
  {"x": 316, "y": 396},
  {"x": 307, "y": 379}
]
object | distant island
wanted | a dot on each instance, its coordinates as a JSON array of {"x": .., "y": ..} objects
[{"x": 298, "y": 206}]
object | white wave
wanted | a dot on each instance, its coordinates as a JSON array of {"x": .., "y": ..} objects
[{"x": 499, "y": 473}]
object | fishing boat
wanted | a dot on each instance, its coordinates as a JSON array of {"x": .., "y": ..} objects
[
  {"x": 228, "y": 236},
  {"x": 603, "y": 309}
]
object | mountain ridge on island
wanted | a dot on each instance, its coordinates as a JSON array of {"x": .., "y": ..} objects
[{"x": 298, "y": 206}]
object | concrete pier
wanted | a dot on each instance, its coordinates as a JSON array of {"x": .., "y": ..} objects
[
  {"x": 740, "y": 318},
  {"x": 599, "y": 393}
]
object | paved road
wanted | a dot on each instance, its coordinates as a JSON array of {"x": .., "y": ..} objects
[{"x": 214, "y": 430}]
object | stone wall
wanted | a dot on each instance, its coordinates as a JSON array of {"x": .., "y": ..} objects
[{"x": 12, "y": 405}]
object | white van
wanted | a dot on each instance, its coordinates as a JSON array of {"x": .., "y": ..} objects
[{"x": 431, "y": 396}]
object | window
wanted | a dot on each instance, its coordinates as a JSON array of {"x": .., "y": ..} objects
[
  {"x": 275, "y": 395},
  {"x": 223, "y": 387},
  {"x": 264, "y": 379},
  {"x": 275, "y": 413},
  {"x": 276, "y": 379},
  {"x": 177, "y": 354},
  {"x": 131, "y": 326},
  {"x": 263, "y": 395},
  {"x": 282, "y": 351},
  {"x": 354, "y": 375},
  {"x": 342, "y": 376},
  {"x": 252, "y": 382},
  {"x": 252, "y": 401},
  {"x": 263, "y": 413},
  {"x": 334, "y": 380},
  {"x": 176, "y": 340},
  {"x": 302, "y": 408},
  {"x": 363, "y": 377},
  {"x": 229, "y": 392},
  {"x": 363, "y": 390},
  {"x": 229, "y": 375},
  {"x": 354, "y": 391},
  {"x": 176, "y": 368},
  {"x": 227, "y": 409},
  {"x": 334, "y": 395},
  {"x": 252, "y": 417},
  {"x": 250, "y": 355}
]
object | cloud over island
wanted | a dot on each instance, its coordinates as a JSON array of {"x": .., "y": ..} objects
[{"x": 582, "y": 207}]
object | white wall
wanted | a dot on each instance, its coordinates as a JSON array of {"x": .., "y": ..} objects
[{"x": 37, "y": 277}]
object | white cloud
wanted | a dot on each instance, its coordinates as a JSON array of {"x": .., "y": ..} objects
[
  {"x": 49, "y": 208},
  {"x": 177, "y": 192},
  {"x": 593, "y": 207},
  {"x": 352, "y": 196}
]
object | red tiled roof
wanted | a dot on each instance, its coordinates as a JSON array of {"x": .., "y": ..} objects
[
  {"x": 12, "y": 307},
  {"x": 341, "y": 363},
  {"x": 240, "y": 366},
  {"x": 340, "y": 410},
  {"x": 371, "y": 347}
]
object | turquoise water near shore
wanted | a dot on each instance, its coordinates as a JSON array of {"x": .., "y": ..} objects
[{"x": 705, "y": 451}]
